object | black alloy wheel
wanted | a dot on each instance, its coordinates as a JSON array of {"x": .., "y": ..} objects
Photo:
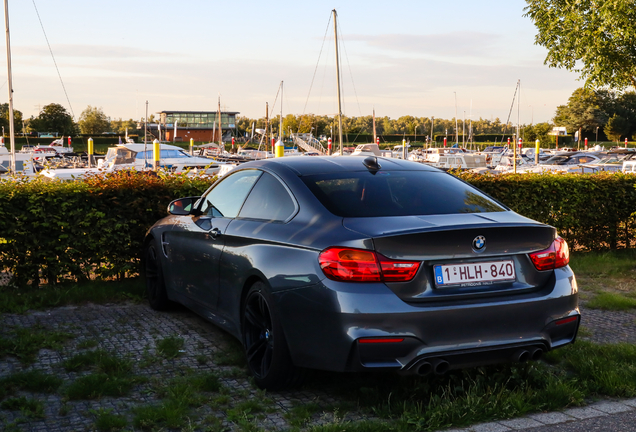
[
  {"x": 266, "y": 349},
  {"x": 155, "y": 284}
]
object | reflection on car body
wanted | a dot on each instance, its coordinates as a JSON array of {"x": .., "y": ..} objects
[{"x": 352, "y": 264}]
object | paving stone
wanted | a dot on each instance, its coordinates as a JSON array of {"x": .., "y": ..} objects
[
  {"x": 488, "y": 427},
  {"x": 551, "y": 418},
  {"x": 630, "y": 402},
  {"x": 611, "y": 407},
  {"x": 521, "y": 423},
  {"x": 584, "y": 413}
]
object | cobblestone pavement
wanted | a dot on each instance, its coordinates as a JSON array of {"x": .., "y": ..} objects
[{"x": 133, "y": 331}]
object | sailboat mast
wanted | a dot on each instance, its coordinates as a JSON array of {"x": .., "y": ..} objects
[
  {"x": 220, "y": 129},
  {"x": 10, "y": 85},
  {"x": 335, "y": 31}
]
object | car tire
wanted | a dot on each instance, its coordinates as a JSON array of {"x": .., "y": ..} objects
[
  {"x": 266, "y": 349},
  {"x": 155, "y": 283}
]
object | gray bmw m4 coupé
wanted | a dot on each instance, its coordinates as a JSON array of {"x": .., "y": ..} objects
[{"x": 353, "y": 264}]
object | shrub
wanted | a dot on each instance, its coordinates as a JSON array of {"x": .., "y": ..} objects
[{"x": 95, "y": 228}]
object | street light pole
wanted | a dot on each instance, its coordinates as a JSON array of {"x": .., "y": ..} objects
[
  {"x": 596, "y": 135},
  {"x": 415, "y": 140}
]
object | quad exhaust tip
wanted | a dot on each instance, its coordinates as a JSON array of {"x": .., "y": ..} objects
[
  {"x": 523, "y": 355},
  {"x": 436, "y": 366}
]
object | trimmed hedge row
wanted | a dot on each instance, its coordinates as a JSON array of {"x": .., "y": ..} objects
[
  {"x": 82, "y": 229},
  {"x": 78, "y": 230},
  {"x": 591, "y": 211}
]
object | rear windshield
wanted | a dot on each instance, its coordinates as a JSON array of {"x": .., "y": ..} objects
[{"x": 397, "y": 193}]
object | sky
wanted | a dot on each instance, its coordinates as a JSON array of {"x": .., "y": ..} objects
[{"x": 418, "y": 57}]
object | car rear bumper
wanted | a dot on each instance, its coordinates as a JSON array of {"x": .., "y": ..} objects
[{"x": 325, "y": 323}]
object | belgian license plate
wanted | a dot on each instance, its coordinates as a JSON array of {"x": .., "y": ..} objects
[{"x": 474, "y": 274}]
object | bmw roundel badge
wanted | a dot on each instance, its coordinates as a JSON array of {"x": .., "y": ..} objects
[{"x": 479, "y": 244}]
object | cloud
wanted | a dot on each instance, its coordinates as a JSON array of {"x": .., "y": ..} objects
[{"x": 455, "y": 44}]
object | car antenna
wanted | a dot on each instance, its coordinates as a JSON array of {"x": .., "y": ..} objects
[{"x": 371, "y": 163}]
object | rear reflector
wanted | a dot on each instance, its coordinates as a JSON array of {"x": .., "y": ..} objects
[
  {"x": 566, "y": 320},
  {"x": 357, "y": 265},
  {"x": 556, "y": 256},
  {"x": 380, "y": 340}
]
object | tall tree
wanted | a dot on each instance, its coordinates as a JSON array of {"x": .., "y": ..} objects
[
  {"x": 594, "y": 37},
  {"x": 583, "y": 111},
  {"x": 617, "y": 127},
  {"x": 54, "y": 118},
  {"x": 93, "y": 121},
  {"x": 4, "y": 118}
]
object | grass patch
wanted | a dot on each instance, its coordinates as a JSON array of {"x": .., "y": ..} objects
[
  {"x": 25, "y": 299},
  {"x": 233, "y": 353},
  {"x": 32, "y": 380},
  {"x": 25, "y": 343},
  {"x": 88, "y": 343},
  {"x": 106, "y": 421},
  {"x": 569, "y": 377},
  {"x": 179, "y": 396},
  {"x": 28, "y": 407},
  {"x": 300, "y": 415},
  {"x": 618, "y": 263},
  {"x": 612, "y": 302},
  {"x": 170, "y": 347},
  {"x": 103, "y": 361},
  {"x": 97, "y": 385}
]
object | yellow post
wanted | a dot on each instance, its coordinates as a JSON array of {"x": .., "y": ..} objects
[
  {"x": 404, "y": 148},
  {"x": 536, "y": 152},
  {"x": 279, "y": 149},
  {"x": 156, "y": 153},
  {"x": 191, "y": 146},
  {"x": 90, "y": 151}
]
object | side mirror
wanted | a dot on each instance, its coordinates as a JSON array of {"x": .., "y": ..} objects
[{"x": 182, "y": 206}]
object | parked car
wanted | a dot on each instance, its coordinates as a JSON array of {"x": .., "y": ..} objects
[{"x": 354, "y": 264}]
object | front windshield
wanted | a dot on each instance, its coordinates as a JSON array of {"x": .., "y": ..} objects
[
  {"x": 165, "y": 154},
  {"x": 613, "y": 159},
  {"x": 556, "y": 160}
]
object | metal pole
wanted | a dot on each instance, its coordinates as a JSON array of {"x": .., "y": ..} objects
[
  {"x": 456, "y": 131},
  {"x": 335, "y": 30},
  {"x": 146, "y": 138},
  {"x": 432, "y": 121},
  {"x": 10, "y": 86}
]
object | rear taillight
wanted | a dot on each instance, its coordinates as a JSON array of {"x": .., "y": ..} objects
[
  {"x": 556, "y": 256},
  {"x": 356, "y": 265}
]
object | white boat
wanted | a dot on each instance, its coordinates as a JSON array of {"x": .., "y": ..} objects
[
  {"x": 23, "y": 161},
  {"x": 371, "y": 150},
  {"x": 173, "y": 159}
]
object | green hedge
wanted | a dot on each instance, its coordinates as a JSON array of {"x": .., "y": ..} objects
[
  {"x": 591, "y": 211},
  {"x": 83, "y": 229},
  {"x": 52, "y": 231}
]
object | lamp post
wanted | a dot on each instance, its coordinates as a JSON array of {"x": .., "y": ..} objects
[
  {"x": 415, "y": 140},
  {"x": 596, "y": 135}
]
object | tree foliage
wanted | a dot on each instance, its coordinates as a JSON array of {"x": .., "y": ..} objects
[
  {"x": 93, "y": 121},
  {"x": 594, "y": 37},
  {"x": 53, "y": 118},
  {"x": 617, "y": 127},
  {"x": 4, "y": 118},
  {"x": 582, "y": 111}
]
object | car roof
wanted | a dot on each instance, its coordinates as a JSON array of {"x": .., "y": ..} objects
[{"x": 302, "y": 165}]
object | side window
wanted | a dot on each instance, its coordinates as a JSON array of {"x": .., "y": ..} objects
[
  {"x": 269, "y": 200},
  {"x": 227, "y": 197}
]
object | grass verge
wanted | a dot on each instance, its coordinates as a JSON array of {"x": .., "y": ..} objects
[
  {"x": 22, "y": 300},
  {"x": 25, "y": 343}
]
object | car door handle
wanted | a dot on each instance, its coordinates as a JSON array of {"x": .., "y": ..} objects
[{"x": 215, "y": 232}]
